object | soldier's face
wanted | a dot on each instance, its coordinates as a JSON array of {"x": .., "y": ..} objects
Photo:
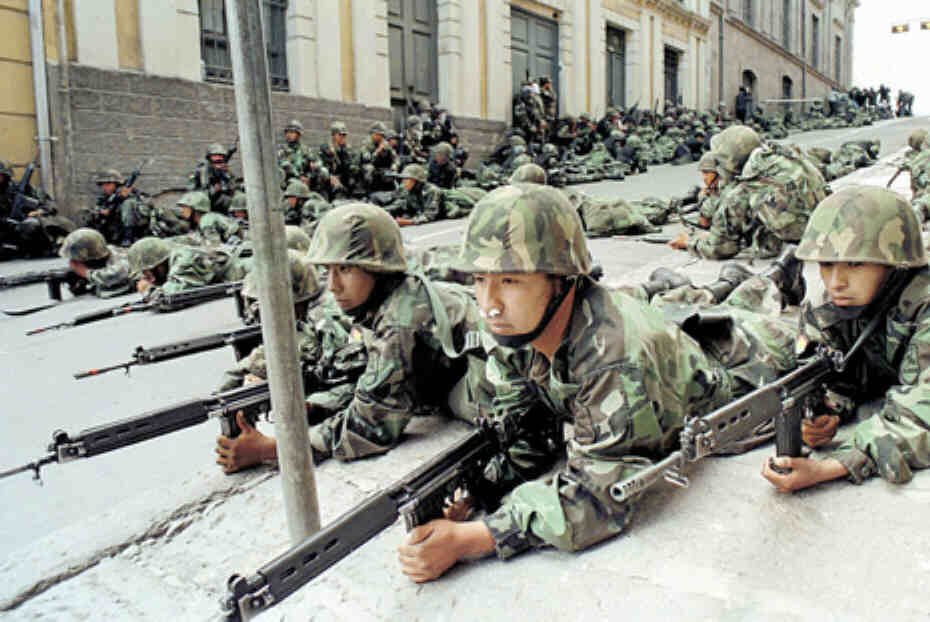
[
  {"x": 292, "y": 201},
  {"x": 339, "y": 139},
  {"x": 108, "y": 188},
  {"x": 408, "y": 183},
  {"x": 291, "y": 136},
  {"x": 185, "y": 212},
  {"x": 377, "y": 137},
  {"x": 710, "y": 178},
  {"x": 218, "y": 161},
  {"x": 350, "y": 285},
  {"x": 852, "y": 284},
  {"x": 513, "y": 303}
]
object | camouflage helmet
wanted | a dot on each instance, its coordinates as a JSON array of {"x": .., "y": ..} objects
[
  {"x": 521, "y": 159},
  {"x": 517, "y": 141},
  {"x": 378, "y": 128},
  {"x": 216, "y": 149},
  {"x": 110, "y": 176},
  {"x": 83, "y": 245},
  {"x": 415, "y": 172},
  {"x": 821, "y": 154},
  {"x": 297, "y": 188},
  {"x": 196, "y": 200},
  {"x": 413, "y": 120},
  {"x": 148, "y": 253},
  {"x": 305, "y": 284},
  {"x": 611, "y": 112},
  {"x": 296, "y": 238},
  {"x": 338, "y": 127},
  {"x": 529, "y": 173},
  {"x": 524, "y": 228},
  {"x": 584, "y": 116},
  {"x": 708, "y": 163},
  {"x": 634, "y": 141},
  {"x": 617, "y": 134},
  {"x": 733, "y": 146},
  {"x": 550, "y": 149},
  {"x": 864, "y": 224},
  {"x": 294, "y": 126},
  {"x": 445, "y": 149},
  {"x": 358, "y": 234},
  {"x": 917, "y": 140},
  {"x": 239, "y": 202}
]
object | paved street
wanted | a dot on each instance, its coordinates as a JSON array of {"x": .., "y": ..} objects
[{"x": 151, "y": 532}]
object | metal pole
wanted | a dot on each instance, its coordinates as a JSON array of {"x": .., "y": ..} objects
[
  {"x": 64, "y": 88},
  {"x": 266, "y": 222},
  {"x": 720, "y": 67},
  {"x": 40, "y": 85},
  {"x": 803, "y": 49}
]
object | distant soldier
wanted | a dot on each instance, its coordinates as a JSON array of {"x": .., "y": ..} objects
[
  {"x": 421, "y": 201},
  {"x": 34, "y": 229},
  {"x": 459, "y": 153},
  {"x": 120, "y": 214},
  {"x": 295, "y": 196},
  {"x": 609, "y": 123},
  {"x": 103, "y": 271},
  {"x": 212, "y": 176},
  {"x": 377, "y": 160},
  {"x": 442, "y": 170},
  {"x": 338, "y": 159},
  {"x": 162, "y": 267},
  {"x": 413, "y": 141},
  {"x": 208, "y": 227},
  {"x": 294, "y": 158},
  {"x": 549, "y": 98}
]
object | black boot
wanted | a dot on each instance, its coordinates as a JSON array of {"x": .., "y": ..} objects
[
  {"x": 731, "y": 275},
  {"x": 663, "y": 280},
  {"x": 127, "y": 237},
  {"x": 787, "y": 272}
]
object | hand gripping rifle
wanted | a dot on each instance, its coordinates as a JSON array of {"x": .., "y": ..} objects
[
  {"x": 419, "y": 497},
  {"x": 21, "y": 198},
  {"x": 166, "y": 302},
  {"x": 242, "y": 339}
]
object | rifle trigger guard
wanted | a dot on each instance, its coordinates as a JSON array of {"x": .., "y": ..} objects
[{"x": 252, "y": 604}]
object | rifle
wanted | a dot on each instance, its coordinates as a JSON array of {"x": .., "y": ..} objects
[
  {"x": 242, "y": 339},
  {"x": 52, "y": 278},
  {"x": 16, "y": 212},
  {"x": 232, "y": 151},
  {"x": 786, "y": 400},
  {"x": 129, "y": 182},
  {"x": 900, "y": 170},
  {"x": 254, "y": 400},
  {"x": 167, "y": 302}
]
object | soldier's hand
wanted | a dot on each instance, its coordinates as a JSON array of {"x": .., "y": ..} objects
[
  {"x": 34, "y": 213},
  {"x": 251, "y": 447},
  {"x": 431, "y": 549},
  {"x": 801, "y": 472},
  {"x": 143, "y": 285},
  {"x": 680, "y": 241},
  {"x": 252, "y": 379},
  {"x": 124, "y": 191},
  {"x": 404, "y": 222},
  {"x": 820, "y": 430}
]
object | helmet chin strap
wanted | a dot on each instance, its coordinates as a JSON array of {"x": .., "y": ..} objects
[{"x": 518, "y": 341}]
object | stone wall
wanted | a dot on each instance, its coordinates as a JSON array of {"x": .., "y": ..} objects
[{"x": 121, "y": 119}]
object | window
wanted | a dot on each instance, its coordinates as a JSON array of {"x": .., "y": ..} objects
[
  {"x": 837, "y": 58},
  {"x": 214, "y": 42},
  {"x": 671, "y": 75},
  {"x": 815, "y": 41},
  {"x": 616, "y": 67},
  {"x": 786, "y": 24},
  {"x": 748, "y": 10}
]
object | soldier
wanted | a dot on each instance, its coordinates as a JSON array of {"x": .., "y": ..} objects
[
  {"x": 103, "y": 271},
  {"x": 709, "y": 195},
  {"x": 421, "y": 201},
  {"x": 212, "y": 176},
  {"x": 459, "y": 153},
  {"x": 417, "y": 153},
  {"x": 874, "y": 269},
  {"x": 609, "y": 123},
  {"x": 377, "y": 160},
  {"x": 339, "y": 161},
  {"x": 212, "y": 228},
  {"x": 549, "y": 98},
  {"x": 294, "y": 158},
  {"x": 563, "y": 348},
  {"x": 295, "y": 196},
  {"x": 566, "y": 134},
  {"x": 392, "y": 315},
  {"x": 768, "y": 206},
  {"x": 120, "y": 214},
  {"x": 162, "y": 267},
  {"x": 35, "y": 229},
  {"x": 585, "y": 135},
  {"x": 442, "y": 170}
]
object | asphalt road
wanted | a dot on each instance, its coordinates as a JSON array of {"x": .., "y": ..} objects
[{"x": 41, "y": 395}]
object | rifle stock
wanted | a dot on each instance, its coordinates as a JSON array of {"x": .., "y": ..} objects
[{"x": 39, "y": 276}]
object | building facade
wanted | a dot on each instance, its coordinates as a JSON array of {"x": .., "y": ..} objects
[{"x": 150, "y": 79}]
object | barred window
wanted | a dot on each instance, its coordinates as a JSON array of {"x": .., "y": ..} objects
[{"x": 214, "y": 42}]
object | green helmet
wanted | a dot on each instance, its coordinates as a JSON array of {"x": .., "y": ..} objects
[
  {"x": 820, "y": 154},
  {"x": 216, "y": 149},
  {"x": 414, "y": 120},
  {"x": 148, "y": 253},
  {"x": 530, "y": 173},
  {"x": 708, "y": 163},
  {"x": 297, "y": 188},
  {"x": 304, "y": 282},
  {"x": 358, "y": 234},
  {"x": 297, "y": 238},
  {"x": 525, "y": 228},
  {"x": 84, "y": 245},
  {"x": 338, "y": 127},
  {"x": 584, "y": 116},
  {"x": 917, "y": 140},
  {"x": 415, "y": 172},
  {"x": 517, "y": 141},
  {"x": 522, "y": 160},
  {"x": 550, "y": 149},
  {"x": 378, "y": 128},
  {"x": 864, "y": 224},
  {"x": 634, "y": 141},
  {"x": 611, "y": 112},
  {"x": 196, "y": 200},
  {"x": 733, "y": 146},
  {"x": 617, "y": 134},
  {"x": 294, "y": 126},
  {"x": 239, "y": 202},
  {"x": 444, "y": 148},
  {"x": 110, "y": 176}
]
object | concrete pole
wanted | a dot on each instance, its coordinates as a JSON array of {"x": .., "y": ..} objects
[
  {"x": 266, "y": 222},
  {"x": 64, "y": 89},
  {"x": 40, "y": 84}
]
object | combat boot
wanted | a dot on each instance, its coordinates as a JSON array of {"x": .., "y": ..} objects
[
  {"x": 731, "y": 275},
  {"x": 787, "y": 272},
  {"x": 128, "y": 237},
  {"x": 663, "y": 280}
]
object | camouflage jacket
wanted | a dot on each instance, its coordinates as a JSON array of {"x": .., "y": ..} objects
[
  {"x": 295, "y": 158},
  {"x": 443, "y": 175},
  {"x": 406, "y": 373},
  {"x": 219, "y": 229},
  {"x": 424, "y": 204},
  {"x": 887, "y": 385},
  {"x": 113, "y": 278},
  {"x": 387, "y": 159},
  {"x": 207, "y": 178},
  {"x": 341, "y": 163},
  {"x": 626, "y": 380},
  {"x": 190, "y": 267},
  {"x": 920, "y": 173}
]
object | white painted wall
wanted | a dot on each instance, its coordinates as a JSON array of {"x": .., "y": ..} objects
[{"x": 95, "y": 31}]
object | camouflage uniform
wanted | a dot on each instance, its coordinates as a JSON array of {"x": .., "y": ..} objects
[
  {"x": 120, "y": 220},
  {"x": 624, "y": 377},
  {"x": 376, "y": 165},
  {"x": 443, "y": 174},
  {"x": 341, "y": 163},
  {"x": 295, "y": 158},
  {"x": 769, "y": 203},
  {"x": 423, "y": 203},
  {"x": 211, "y": 228},
  {"x": 602, "y": 216},
  {"x": 886, "y": 387},
  {"x": 108, "y": 267},
  {"x": 219, "y": 185},
  {"x": 413, "y": 332},
  {"x": 188, "y": 266}
]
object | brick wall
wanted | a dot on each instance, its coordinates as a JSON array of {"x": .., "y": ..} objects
[{"x": 121, "y": 119}]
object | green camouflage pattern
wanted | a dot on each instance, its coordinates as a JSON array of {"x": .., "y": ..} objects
[
  {"x": 459, "y": 202},
  {"x": 886, "y": 388},
  {"x": 216, "y": 228},
  {"x": 425, "y": 202},
  {"x": 733, "y": 146},
  {"x": 529, "y": 173},
  {"x": 603, "y": 216},
  {"x": 505, "y": 233},
  {"x": 305, "y": 284},
  {"x": 296, "y": 238},
  {"x": 111, "y": 175},
  {"x": 297, "y": 188},
  {"x": 83, "y": 245},
  {"x": 197, "y": 201},
  {"x": 148, "y": 253},
  {"x": 864, "y": 224},
  {"x": 358, "y": 234},
  {"x": 708, "y": 163},
  {"x": 112, "y": 279},
  {"x": 626, "y": 379},
  {"x": 917, "y": 140},
  {"x": 415, "y": 172},
  {"x": 190, "y": 267},
  {"x": 920, "y": 173}
]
